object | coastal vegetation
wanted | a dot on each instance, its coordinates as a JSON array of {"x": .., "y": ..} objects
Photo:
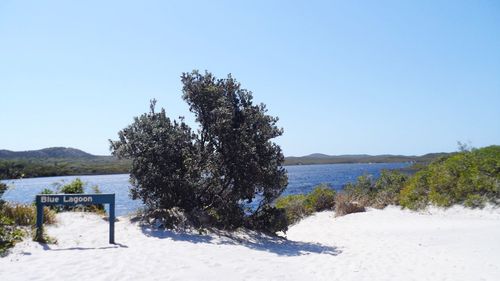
[
  {"x": 354, "y": 197},
  {"x": 470, "y": 177},
  {"x": 211, "y": 175}
]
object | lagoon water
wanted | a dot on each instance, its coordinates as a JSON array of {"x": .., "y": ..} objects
[{"x": 301, "y": 179}]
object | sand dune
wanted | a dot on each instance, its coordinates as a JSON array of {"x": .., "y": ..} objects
[{"x": 390, "y": 244}]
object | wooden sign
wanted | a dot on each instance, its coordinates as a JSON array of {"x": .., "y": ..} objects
[{"x": 74, "y": 200}]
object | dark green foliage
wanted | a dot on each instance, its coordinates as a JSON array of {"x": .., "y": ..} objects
[
  {"x": 226, "y": 164},
  {"x": 470, "y": 177},
  {"x": 165, "y": 172},
  {"x": 235, "y": 144}
]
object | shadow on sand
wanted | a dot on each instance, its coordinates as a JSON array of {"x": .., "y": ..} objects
[
  {"x": 249, "y": 239},
  {"x": 47, "y": 247}
]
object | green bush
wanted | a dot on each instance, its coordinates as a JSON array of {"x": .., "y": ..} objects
[
  {"x": 414, "y": 195},
  {"x": 294, "y": 207},
  {"x": 74, "y": 187},
  {"x": 47, "y": 191},
  {"x": 321, "y": 198},
  {"x": 298, "y": 206},
  {"x": 77, "y": 186},
  {"x": 387, "y": 188},
  {"x": 475, "y": 201},
  {"x": 363, "y": 190},
  {"x": 230, "y": 158},
  {"x": 471, "y": 178}
]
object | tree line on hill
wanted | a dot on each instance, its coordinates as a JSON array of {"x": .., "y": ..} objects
[
  {"x": 32, "y": 168},
  {"x": 361, "y": 158},
  {"x": 61, "y": 161}
]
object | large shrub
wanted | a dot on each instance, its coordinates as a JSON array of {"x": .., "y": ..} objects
[
  {"x": 230, "y": 161},
  {"x": 471, "y": 178}
]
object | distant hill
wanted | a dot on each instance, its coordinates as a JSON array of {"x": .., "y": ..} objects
[
  {"x": 318, "y": 155},
  {"x": 58, "y": 161},
  {"x": 315, "y": 158},
  {"x": 62, "y": 161},
  {"x": 318, "y": 158},
  {"x": 51, "y": 152}
]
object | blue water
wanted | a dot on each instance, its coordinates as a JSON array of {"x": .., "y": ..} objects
[{"x": 301, "y": 179}]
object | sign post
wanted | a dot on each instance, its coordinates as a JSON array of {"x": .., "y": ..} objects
[{"x": 73, "y": 200}]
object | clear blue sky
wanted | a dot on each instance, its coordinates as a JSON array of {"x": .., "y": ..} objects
[{"x": 399, "y": 77}]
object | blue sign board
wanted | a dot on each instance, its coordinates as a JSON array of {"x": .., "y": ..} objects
[{"x": 77, "y": 199}]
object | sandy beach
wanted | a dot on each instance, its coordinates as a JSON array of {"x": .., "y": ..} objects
[{"x": 389, "y": 244}]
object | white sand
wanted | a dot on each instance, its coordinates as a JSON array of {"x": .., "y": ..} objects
[{"x": 391, "y": 244}]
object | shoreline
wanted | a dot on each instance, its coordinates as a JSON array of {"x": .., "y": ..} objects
[{"x": 286, "y": 165}]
